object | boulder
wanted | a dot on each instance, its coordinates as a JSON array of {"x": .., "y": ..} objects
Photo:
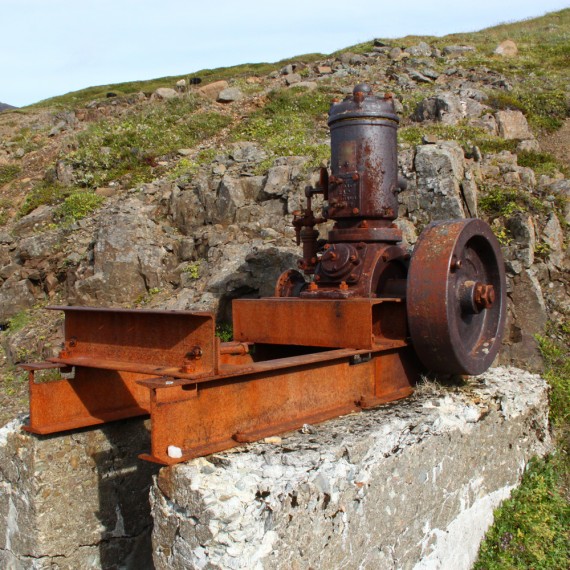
[
  {"x": 513, "y": 125},
  {"x": 508, "y": 48},
  {"x": 553, "y": 237},
  {"x": 439, "y": 172},
  {"x": 165, "y": 93},
  {"x": 420, "y": 50},
  {"x": 129, "y": 258},
  {"x": 213, "y": 90},
  {"x": 15, "y": 296},
  {"x": 458, "y": 51},
  {"x": 229, "y": 95}
]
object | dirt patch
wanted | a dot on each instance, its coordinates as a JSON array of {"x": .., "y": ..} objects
[{"x": 558, "y": 143}]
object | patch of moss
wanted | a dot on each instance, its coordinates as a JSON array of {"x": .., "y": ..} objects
[{"x": 544, "y": 109}]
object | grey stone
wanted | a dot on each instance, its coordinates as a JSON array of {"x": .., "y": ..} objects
[
  {"x": 293, "y": 78},
  {"x": 447, "y": 108},
  {"x": 553, "y": 236},
  {"x": 513, "y": 125},
  {"x": 418, "y": 76},
  {"x": 521, "y": 228},
  {"x": 40, "y": 216},
  {"x": 229, "y": 198},
  {"x": 398, "y": 487},
  {"x": 38, "y": 246},
  {"x": 15, "y": 296},
  {"x": 458, "y": 51},
  {"x": 420, "y": 50},
  {"x": 277, "y": 181},
  {"x": 528, "y": 145},
  {"x": 245, "y": 151},
  {"x": 229, "y": 95},
  {"x": 439, "y": 171},
  {"x": 64, "y": 173},
  {"x": 129, "y": 258},
  {"x": 165, "y": 93},
  {"x": 529, "y": 319}
]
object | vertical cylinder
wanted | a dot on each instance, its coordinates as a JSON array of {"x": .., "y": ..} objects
[{"x": 364, "y": 162}]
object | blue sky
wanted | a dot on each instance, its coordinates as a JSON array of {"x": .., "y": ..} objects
[{"x": 51, "y": 47}]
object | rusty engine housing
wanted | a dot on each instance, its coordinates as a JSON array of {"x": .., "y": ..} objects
[{"x": 342, "y": 336}]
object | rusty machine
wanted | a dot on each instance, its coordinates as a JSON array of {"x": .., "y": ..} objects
[{"x": 348, "y": 330}]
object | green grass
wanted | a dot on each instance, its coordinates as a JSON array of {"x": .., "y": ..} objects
[
  {"x": 290, "y": 124},
  {"x": 540, "y": 162},
  {"x": 225, "y": 332},
  {"x": 48, "y": 193},
  {"x": 531, "y": 529},
  {"x": 18, "y": 321},
  {"x": 501, "y": 201},
  {"x": 78, "y": 205},
  {"x": 109, "y": 149},
  {"x": 8, "y": 172}
]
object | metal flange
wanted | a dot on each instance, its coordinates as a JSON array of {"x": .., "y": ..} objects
[{"x": 456, "y": 297}]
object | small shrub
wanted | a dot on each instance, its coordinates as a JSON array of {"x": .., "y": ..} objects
[
  {"x": 18, "y": 321},
  {"x": 8, "y": 172},
  {"x": 497, "y": 201},
  {"x": 78, "y": 205},
  {"x": 225, "y": 332},
  {"x": 193, "y": 270}
]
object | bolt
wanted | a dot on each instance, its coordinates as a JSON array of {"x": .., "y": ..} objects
[
  {"x": 343, "y": 286},
  {"x": 355, "y": 211},
  {"x": 313, "y": 286},
  {"x": 353, "y": 258},
  {"x": 455, "y": 264},
  {"x": 484, "y": 296}
]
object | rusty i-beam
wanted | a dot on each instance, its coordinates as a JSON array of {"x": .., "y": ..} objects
[{"x": 349, "y": 330}]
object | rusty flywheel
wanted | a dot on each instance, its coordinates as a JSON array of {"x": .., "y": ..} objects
[{"x": 456, "y": 300}]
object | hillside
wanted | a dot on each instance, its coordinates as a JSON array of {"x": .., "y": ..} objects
[{"x": 178, "y": 192}]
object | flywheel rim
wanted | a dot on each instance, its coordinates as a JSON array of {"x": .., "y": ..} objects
[{"x": 456, "y": 297}]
